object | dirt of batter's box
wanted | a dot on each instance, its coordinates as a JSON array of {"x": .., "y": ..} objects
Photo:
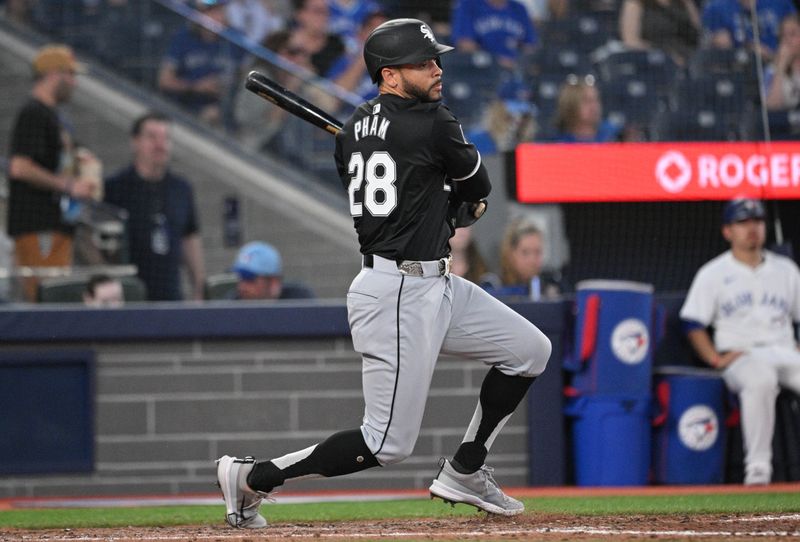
[{"x": 527, "y": 527}]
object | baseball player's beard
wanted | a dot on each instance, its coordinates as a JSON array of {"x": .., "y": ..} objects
[{"x": 421, "y": 94}]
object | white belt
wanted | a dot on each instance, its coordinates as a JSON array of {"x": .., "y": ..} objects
[{"x": 433, "y": 268}]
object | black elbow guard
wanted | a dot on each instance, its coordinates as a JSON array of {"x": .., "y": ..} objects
[{"x": 474, "y": 188}]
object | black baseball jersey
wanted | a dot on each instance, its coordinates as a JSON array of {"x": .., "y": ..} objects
[{"x": 397, "y": 159}]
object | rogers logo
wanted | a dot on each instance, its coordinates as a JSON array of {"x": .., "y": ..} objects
[{"x": 673, "y": 171}]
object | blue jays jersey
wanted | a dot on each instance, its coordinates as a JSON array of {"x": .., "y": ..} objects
[
  {"x": 747, "y": 306},
  {"x": 500, "y": 31}
]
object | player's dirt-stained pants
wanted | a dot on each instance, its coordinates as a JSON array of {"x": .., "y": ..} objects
[
  {"x": 756, "y": 376},
  {"x": 400, "y": 323}
]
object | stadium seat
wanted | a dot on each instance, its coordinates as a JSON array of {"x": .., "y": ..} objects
[
  {"x": 630, "y": 101},
  {"x": 560, "y": 61},
  {"x": 70, "y": 289},
  {"x": 584, "y": 32},
  {"x": 470, "y": 82},
  {"x": 707, "y": 61},
  {"x": 545, "y": 97},
  {"x": 783, "y": 125},
  {"x": 68, "y": 21},
  {"x": 220, "y": 286},
  {"x": 223, "y": 286},
  {"x": 720, "y": 93},
  {"x": 653, "y": 66},
  {"x": 698, "y": 125}
]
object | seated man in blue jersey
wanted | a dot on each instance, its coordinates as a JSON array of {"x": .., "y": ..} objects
[
  {"x": 502, "y": 28},
  {"x": 199, "y": 66},
  {"x": 751, "y": 297},
  {"x": 260, "y": 275}
]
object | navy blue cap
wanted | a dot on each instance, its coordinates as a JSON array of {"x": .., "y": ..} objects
[{"x": 741, "y": 209}]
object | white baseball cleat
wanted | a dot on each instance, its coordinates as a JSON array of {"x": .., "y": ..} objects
[
  {"x": 478, "y": 489},
  {"x": 759, "y": 474},
  {"x": 241, "y": 502}
]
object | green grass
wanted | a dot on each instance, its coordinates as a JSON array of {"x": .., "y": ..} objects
[{"x": 341, "y": 511}]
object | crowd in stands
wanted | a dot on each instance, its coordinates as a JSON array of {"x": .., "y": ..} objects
[
  {"x": 644, "y": 57},
  {"x": 566, "y": 71}
]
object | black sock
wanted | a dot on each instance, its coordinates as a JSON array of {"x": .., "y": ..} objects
[
  {"x": 342, "y": 453},
  {"x": 500, "y": 395},
  {"x": 469, "y": 457}
]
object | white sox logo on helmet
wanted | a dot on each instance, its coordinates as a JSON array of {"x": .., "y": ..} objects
[{"x": 427, "y": 32}]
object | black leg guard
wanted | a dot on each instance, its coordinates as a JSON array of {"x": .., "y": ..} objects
[
  {"x": 500, "y": 396},
  {"x": 341, "y": 453}
]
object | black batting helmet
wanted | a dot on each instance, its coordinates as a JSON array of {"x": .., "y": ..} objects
[{"x": 400, "y": 41}]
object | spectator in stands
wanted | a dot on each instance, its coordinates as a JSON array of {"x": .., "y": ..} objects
[
  {"x": 260, "y": 121},
  {"x": 727, "y": 23},
  {"x": 310, "y": 27},
  {"x": 541, "y": 11},
  {"x": 42, "y": 168},
  {"x": 579, "y": 116},
  {"x": 751, "y": 297},
  {"x": 521, "y": 264},
  {"x": 260, "y": 271},
  {"x": 347, "y": 19},
  {"x": 103, "y": 291},
  {"x": 254, "y": 19},
  {"x": 199, "y": 67},
  {"x": 499, "y": 27},
  {"x": 163, "y": 230},
  {"x": 436, "y": 13},
  {"x": 350, "y": 71},
  {"x": 507, "y": 121},
  {"x": 467, "y": 260},
  {"x": 18, "y": 11},
  {"x": 783, "y": 76},
  {"x": 670, "y": 25}
]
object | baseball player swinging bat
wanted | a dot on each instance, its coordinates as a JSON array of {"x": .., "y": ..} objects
[{"x": 263, "y": 86}]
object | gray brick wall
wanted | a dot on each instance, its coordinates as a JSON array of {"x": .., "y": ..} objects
[{"x": 166, "y": 410}]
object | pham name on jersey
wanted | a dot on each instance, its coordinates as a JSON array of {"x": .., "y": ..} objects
[{"x": 372, "y": 125}]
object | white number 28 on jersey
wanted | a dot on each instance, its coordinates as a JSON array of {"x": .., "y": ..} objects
[{"x": 377, "y": 175}]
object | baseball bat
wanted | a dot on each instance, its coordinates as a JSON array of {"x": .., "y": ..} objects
[{"x": 268, "y": 89}]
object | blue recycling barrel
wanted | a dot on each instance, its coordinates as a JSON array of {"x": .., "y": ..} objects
[
  {"x": 689, "y": 429},
  {"x": 611, "y": 440},
  {"x": 613, "y": 344}
]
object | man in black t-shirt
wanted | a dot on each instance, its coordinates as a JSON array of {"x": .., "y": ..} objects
[
  {"x": 409, "y": 174},
  {"x": 41, "y": 156},
  {"x": 163, "y": 231}
]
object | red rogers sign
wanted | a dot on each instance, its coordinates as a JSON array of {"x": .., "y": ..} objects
[{"x": 656, "y": 171}]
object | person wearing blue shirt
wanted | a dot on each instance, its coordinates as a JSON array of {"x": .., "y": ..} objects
[
  {"x": 499, "y": 27},
  {"x": 579, "y": 117},
  {"x": 347, "y": 17},
  {"x": 521, "y": 265},
  {"x": 727, "y": 23},
  {"x": 350, "y": 71},
  {"x": 199, "y": 67}
]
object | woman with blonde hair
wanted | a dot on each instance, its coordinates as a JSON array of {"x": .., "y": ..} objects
[
  {"x": 579, "y": 114},
  {"x": 521, "y": 263}
]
